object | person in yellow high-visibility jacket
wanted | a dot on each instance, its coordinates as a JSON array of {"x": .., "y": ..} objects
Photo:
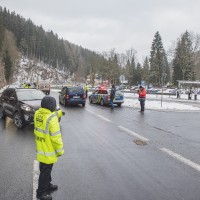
[
  {"x": 86, "y": 89},
  {"x": 49, "y": 145}
]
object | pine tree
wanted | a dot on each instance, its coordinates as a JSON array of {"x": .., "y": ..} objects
[
  {"x": 138, "y": 74},
  {"x": 145, "y": 70},
  {"x": 7, "y": 65},
  {"x": 183, "y": 63},
  {"x": 1, "y": 32},
  {"x": 158, "y": 60}
]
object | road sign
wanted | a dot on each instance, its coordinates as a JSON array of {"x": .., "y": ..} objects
[{"x": 122, "y": 78}]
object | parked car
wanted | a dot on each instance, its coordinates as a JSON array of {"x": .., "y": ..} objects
[
  {"x": 170, "y": 91},
  {"x": 14, "y": 85},
  {"x": 20, "y": 104},
  {"x": 152, "y": 90},
  {"x": 72, "y": 95},
  {"x": 102, "y": 97}
]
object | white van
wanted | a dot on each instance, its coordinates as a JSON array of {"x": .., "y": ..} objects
[{"x": 44, "y": 86}]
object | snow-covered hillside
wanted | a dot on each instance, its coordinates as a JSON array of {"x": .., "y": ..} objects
[{"x": 30, "y": 71}]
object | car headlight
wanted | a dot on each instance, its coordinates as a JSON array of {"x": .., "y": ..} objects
[{"x": 26, "y": 107}]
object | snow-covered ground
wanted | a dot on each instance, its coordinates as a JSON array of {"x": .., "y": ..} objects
[
  {"x": 168, "y": 102},
  {"x": 156, "y": 105}
]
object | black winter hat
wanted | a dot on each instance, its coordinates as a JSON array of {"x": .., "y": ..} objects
[{"x": 49, "y": 102}]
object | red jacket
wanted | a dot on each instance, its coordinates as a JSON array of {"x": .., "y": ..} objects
[{"x": 142, "y": 93}]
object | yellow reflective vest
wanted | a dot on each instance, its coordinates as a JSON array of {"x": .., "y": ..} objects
[
  {"x": 86, "y": 87},
  {"x": 48, "y": 136}
]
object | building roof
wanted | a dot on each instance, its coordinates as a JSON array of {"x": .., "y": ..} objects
[{"x": 190, "y": 83}]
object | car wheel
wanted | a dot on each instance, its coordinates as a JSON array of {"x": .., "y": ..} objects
[
  {"x": 119, "y": 104},
  {"x": 2, "y": 114},
  {"x": 90, "y": 99},
  {"x": 18, "y": 121},
  {"x": 102, "y": 102}
]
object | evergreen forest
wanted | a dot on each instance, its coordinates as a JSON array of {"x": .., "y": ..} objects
[{"x": 21, "y": 37}]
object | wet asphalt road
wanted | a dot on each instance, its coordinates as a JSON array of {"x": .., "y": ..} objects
[{"x": 102, "y": 161}]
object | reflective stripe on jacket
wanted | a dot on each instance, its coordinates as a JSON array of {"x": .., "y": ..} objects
[{"x": 48, "y": 137}]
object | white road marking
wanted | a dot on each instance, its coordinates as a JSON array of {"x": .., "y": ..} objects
[
  {"x": 90, "y": 111},
  {"x": 133, "y": 133},
  {"x": 182, "y": 159},
  {"x": 35, "y": 177},
  {"x": 165, "y": 150},
  {"x": 102, "y": 117}
]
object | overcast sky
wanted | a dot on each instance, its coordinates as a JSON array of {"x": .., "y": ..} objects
[{"x": 106, "y": 24}]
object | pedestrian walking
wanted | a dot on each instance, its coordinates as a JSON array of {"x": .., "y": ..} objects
[
  {"x": 190, "y": 95},
  {"x": 112, "y": 96},
  {"x": 195, "y": 94},
  {"x": 86, "y": 90},
  {"x": 142, "y": 96},
  {"x": 178, "y": 94},
  {"x": 49, "y": 145}
]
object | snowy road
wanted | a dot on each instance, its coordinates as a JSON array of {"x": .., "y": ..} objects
[{"x": 103, "y": 160}]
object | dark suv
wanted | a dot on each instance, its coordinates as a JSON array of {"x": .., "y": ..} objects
[
  {"x": 20, "y": 105},
  {"x": 72, "y": 95}
]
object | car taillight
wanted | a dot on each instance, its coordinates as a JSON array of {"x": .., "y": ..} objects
[
  {"x": 84, "y": 96},
  {"x": 108, "y": 97},
  {"x": 67, "y": 96}
]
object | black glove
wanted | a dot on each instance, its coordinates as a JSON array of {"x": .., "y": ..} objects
[{"x": 63, "y": 113}]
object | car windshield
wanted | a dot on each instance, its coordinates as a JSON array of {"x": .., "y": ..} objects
[
  {"x": 118, "y": 93},
  {"x": 76, "y": 90},
  {"x": 29, "y": 95}
]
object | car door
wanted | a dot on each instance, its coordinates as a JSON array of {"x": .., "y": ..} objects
[{"x": 95, "y": 96}]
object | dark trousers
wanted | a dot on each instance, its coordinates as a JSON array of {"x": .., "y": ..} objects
[
  {"x": 44, "y": 178},
  {"x": 86, "y": 93},
  {"x": 142, "y": 103},
  {"x": 111, "y": 103}
]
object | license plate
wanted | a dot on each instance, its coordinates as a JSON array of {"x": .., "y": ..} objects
[{"x": 76, "y": 97}]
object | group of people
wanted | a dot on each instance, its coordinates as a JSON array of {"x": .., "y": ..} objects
[{"x": 141, "y": 93}]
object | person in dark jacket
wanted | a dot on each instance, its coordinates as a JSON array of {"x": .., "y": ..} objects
[
  {"x": 142, "y": 97},
  {"x": 112, "y": 96}
]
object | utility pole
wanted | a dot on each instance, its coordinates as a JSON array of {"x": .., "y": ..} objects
[{"x": 163, "y": 81}]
